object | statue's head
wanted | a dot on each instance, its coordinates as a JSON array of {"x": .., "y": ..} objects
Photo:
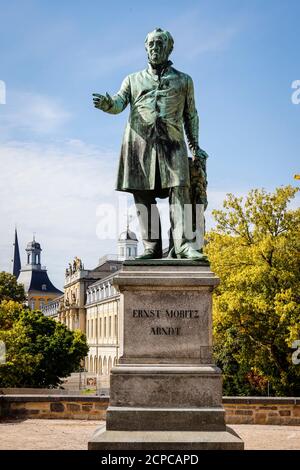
[{"x": 159, "y": 45}]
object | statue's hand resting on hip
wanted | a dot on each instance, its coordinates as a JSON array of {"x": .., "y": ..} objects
[{"x": 102, "y": 102}]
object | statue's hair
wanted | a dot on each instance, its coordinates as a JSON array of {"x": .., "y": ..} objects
[{"x": 167, "y": 36}]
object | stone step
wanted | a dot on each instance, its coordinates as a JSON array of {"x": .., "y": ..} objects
[{"x": 165, "y": 419}]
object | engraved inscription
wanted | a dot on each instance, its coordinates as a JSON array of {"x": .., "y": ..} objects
[
  {"x": 169, "y": 331},
  {"x": 168, "y": 314}
]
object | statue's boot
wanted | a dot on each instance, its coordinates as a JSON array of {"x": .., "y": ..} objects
[
  {"x": 187, "y": 252},
  {"x": 150, "y": 254}
]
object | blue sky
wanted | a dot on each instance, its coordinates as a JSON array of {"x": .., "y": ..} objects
[{"x": 59, "y": 155}]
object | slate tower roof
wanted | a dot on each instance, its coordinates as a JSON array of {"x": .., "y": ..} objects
[{"x": 33, "y": 275}]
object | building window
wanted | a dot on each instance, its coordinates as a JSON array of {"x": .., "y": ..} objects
[
  {"x": 116, "y": 327},
  {"x": 32, "y": 304},
  {"x": 44, "y": 287},
  {"x": 104, "y": 327},
  {"x": 109, "y": 327}
]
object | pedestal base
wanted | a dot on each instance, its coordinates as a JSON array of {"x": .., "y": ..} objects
[
  {"x": 165, "y": 393},
  {"x": 165, "y": 440}
]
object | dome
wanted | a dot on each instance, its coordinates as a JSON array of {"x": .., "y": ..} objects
[
  {"x": 128, "y": 235},
  {"x": 33, "y": 245}
]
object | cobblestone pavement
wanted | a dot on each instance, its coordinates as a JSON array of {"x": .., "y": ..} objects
[{"x": 62, "y": 434}]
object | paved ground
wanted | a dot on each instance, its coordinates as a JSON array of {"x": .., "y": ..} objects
[{"x": 61, "y": 434}]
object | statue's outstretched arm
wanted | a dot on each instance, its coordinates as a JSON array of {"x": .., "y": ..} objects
[{"x": 114, "y": 104}]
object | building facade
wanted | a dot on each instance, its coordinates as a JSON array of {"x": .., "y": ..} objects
[
  {"x": 77, "y": 280},
  {"x": 102, "y": 327}
]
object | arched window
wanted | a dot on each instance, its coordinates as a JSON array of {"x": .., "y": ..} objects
[
  {"x": 104, "y": 366},
  {"x": 109, "y": 365}
]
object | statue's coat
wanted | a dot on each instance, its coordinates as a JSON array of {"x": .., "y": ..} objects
[{"x": 162, "y": 107}]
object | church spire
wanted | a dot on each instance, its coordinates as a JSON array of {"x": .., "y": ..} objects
[{"x": 16, "y": 259}]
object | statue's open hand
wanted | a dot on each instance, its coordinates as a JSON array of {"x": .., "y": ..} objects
[{"x": 102, "y": 102}]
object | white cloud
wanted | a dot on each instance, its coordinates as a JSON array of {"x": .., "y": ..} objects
[
  {"x": 32, "y": 112},
  {"x": 54, "y": 190}
]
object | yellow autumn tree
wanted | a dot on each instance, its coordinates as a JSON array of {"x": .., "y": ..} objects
[{"x": 255, "y": 250}]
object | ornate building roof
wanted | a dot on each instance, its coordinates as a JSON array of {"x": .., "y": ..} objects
[
  {"x": 37, "y": 280},
  {"x": 33, "y": 276},
  {"x": 127, "y": 235}
]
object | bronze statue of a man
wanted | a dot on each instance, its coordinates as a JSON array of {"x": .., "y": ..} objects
[{"x": 154, "y": 158}]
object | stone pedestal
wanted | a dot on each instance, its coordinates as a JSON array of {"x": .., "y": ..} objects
[{"x": 166, "y": 393}]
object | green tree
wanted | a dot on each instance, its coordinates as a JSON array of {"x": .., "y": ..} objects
[
  {"x": 255, "y": 250},
  {"x": 39, "y": 350},
  {"x": 10, "y": 289}
]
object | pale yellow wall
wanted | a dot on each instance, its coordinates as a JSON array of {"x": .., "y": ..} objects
[
  {"x": 102, "y": 334},
  {"x": 38, "y": 299}
]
